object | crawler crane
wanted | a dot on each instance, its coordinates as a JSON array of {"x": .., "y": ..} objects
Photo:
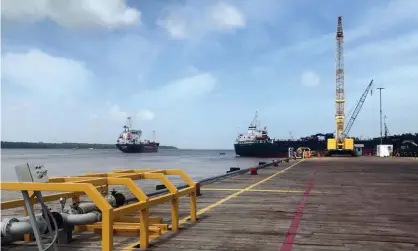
[{"x": 340, "y": 145}]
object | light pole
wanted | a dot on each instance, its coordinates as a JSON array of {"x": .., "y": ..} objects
[{"x": 381, "y": 128}]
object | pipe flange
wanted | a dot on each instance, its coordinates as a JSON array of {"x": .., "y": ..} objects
[{"x": 5, "y": 227}]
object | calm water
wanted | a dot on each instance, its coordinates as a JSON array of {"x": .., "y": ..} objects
[{"x": 60, "y": 162}]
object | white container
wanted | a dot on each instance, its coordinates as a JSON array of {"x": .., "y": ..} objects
[{"x": 384, "y": 150}]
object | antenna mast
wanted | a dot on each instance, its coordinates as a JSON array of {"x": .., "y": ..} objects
[
  {"x": 339, "y": 81},
  {"x": 129, "y": 122}
]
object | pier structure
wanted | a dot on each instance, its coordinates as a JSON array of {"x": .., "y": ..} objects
[{"x": 338, "y": 204}]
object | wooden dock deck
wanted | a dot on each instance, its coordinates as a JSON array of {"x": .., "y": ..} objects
[{"x": 337, "y": 204}]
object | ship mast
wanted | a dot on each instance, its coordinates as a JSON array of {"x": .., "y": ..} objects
[
  {"x": 129, "y": 122},
  {"x": 255, "y": 120}
]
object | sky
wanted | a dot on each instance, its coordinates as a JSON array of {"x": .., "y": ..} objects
[{"x": 197, "y": 71}]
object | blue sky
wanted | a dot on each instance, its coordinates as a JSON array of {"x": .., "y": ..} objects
[{"x": 196, "y": 71}]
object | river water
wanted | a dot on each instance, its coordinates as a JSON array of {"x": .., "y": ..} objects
[{"x": 62, "y": 162}]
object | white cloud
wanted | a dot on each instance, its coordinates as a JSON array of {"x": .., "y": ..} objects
[
  {"x": 43, "y": 73},
  {"x": 189, "y": 21},
  {"x": 189, "y": 87},
  {"x": 309, "y": 78},
  {"x": 405, "y": 43},
  {"x": 395, "y": 13},
  {"x": 178, "y": 93},
  {"x": 145, "y": 115},
  {"x": 175, "y": 26},
  {"x": 74, "y": 13},
  {"x": 226, "y": 16},
  {"x": 116, "y": 113}
]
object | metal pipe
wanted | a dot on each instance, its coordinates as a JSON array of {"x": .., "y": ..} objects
[
  {"x": 81, "y": 219},
  {"x": 115, "y": 199},
  {"x": 10, "y": 239},
  {"x": 13, "y": 227},
  {"x": 381, "y": 126}
]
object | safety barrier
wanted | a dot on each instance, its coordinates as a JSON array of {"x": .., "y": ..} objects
[{"x": 112, "y": 214}]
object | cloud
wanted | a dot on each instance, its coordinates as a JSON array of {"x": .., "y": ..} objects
[
  {"x": 116, "y": 113},
  {"x": 393, "y": 47},
  {"x": 395, "y": 13},
  {"x": 39, "y": 72},
  {"x": 188, "y": 88},
  {"x": 189, "y": 21},
  {"x": 369, "y": 24},
  {"x": 309, "y": 78},
  {"x": 72, "y": 14},
  {"x": 174, "y": 25},
  {"x": 226, "y": 16},
  {"x": 145, "y": 115}
]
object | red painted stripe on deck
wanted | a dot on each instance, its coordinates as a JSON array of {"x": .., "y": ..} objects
[{"x": 293, "y": 229}]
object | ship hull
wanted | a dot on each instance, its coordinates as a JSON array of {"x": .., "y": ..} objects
[
  {"x": 280, "y": 149},
  {"x": 138, "y": 148},
  {"x": 261, "y": 150}
]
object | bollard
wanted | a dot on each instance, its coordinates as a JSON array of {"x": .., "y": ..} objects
[
  {"x": 253, "y": 171},
  {"x": 233, "y": 169},
  {"x": 275, "y": 163},
  {"x": 198, "y": 189},
  {"x": 160, "y": 187}
]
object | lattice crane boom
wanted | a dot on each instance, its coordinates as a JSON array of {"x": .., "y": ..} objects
[
  {"x": 357, "y": 109},
  {"x": 339, "y": 81},
  {"x": 340, "y": 144}
]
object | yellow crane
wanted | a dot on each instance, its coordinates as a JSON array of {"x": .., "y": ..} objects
[{"x": 340, "y": 144}]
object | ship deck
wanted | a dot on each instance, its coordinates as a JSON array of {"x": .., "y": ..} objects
[{"x": 337, "y": 204}]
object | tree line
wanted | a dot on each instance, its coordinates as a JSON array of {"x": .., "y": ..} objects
[{"x": 42, "y": 145}]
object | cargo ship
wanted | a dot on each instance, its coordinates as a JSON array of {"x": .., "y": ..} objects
[
  {"x": 129, "y": 141},
  {"x": 257, "y": 143}
]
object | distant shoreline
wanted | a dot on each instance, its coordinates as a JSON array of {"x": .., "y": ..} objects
[{"x": 42, "y": 145}]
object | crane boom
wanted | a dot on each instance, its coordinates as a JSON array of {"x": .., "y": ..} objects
[
  {"x": 357, "y": 109},
  {"x": 339, "y": 144},
  {"x": 339, "y": 81}
]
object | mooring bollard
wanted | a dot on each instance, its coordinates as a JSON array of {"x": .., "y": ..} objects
[
  {"x": 253, "y": 171},
  {"x": 160, "y": 187},
  {"x": 198, "y": 189},
  {"x": 233, "y": 169}
]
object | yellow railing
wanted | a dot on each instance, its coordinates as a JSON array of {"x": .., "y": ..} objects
[{"x": 115, "y": 220}]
